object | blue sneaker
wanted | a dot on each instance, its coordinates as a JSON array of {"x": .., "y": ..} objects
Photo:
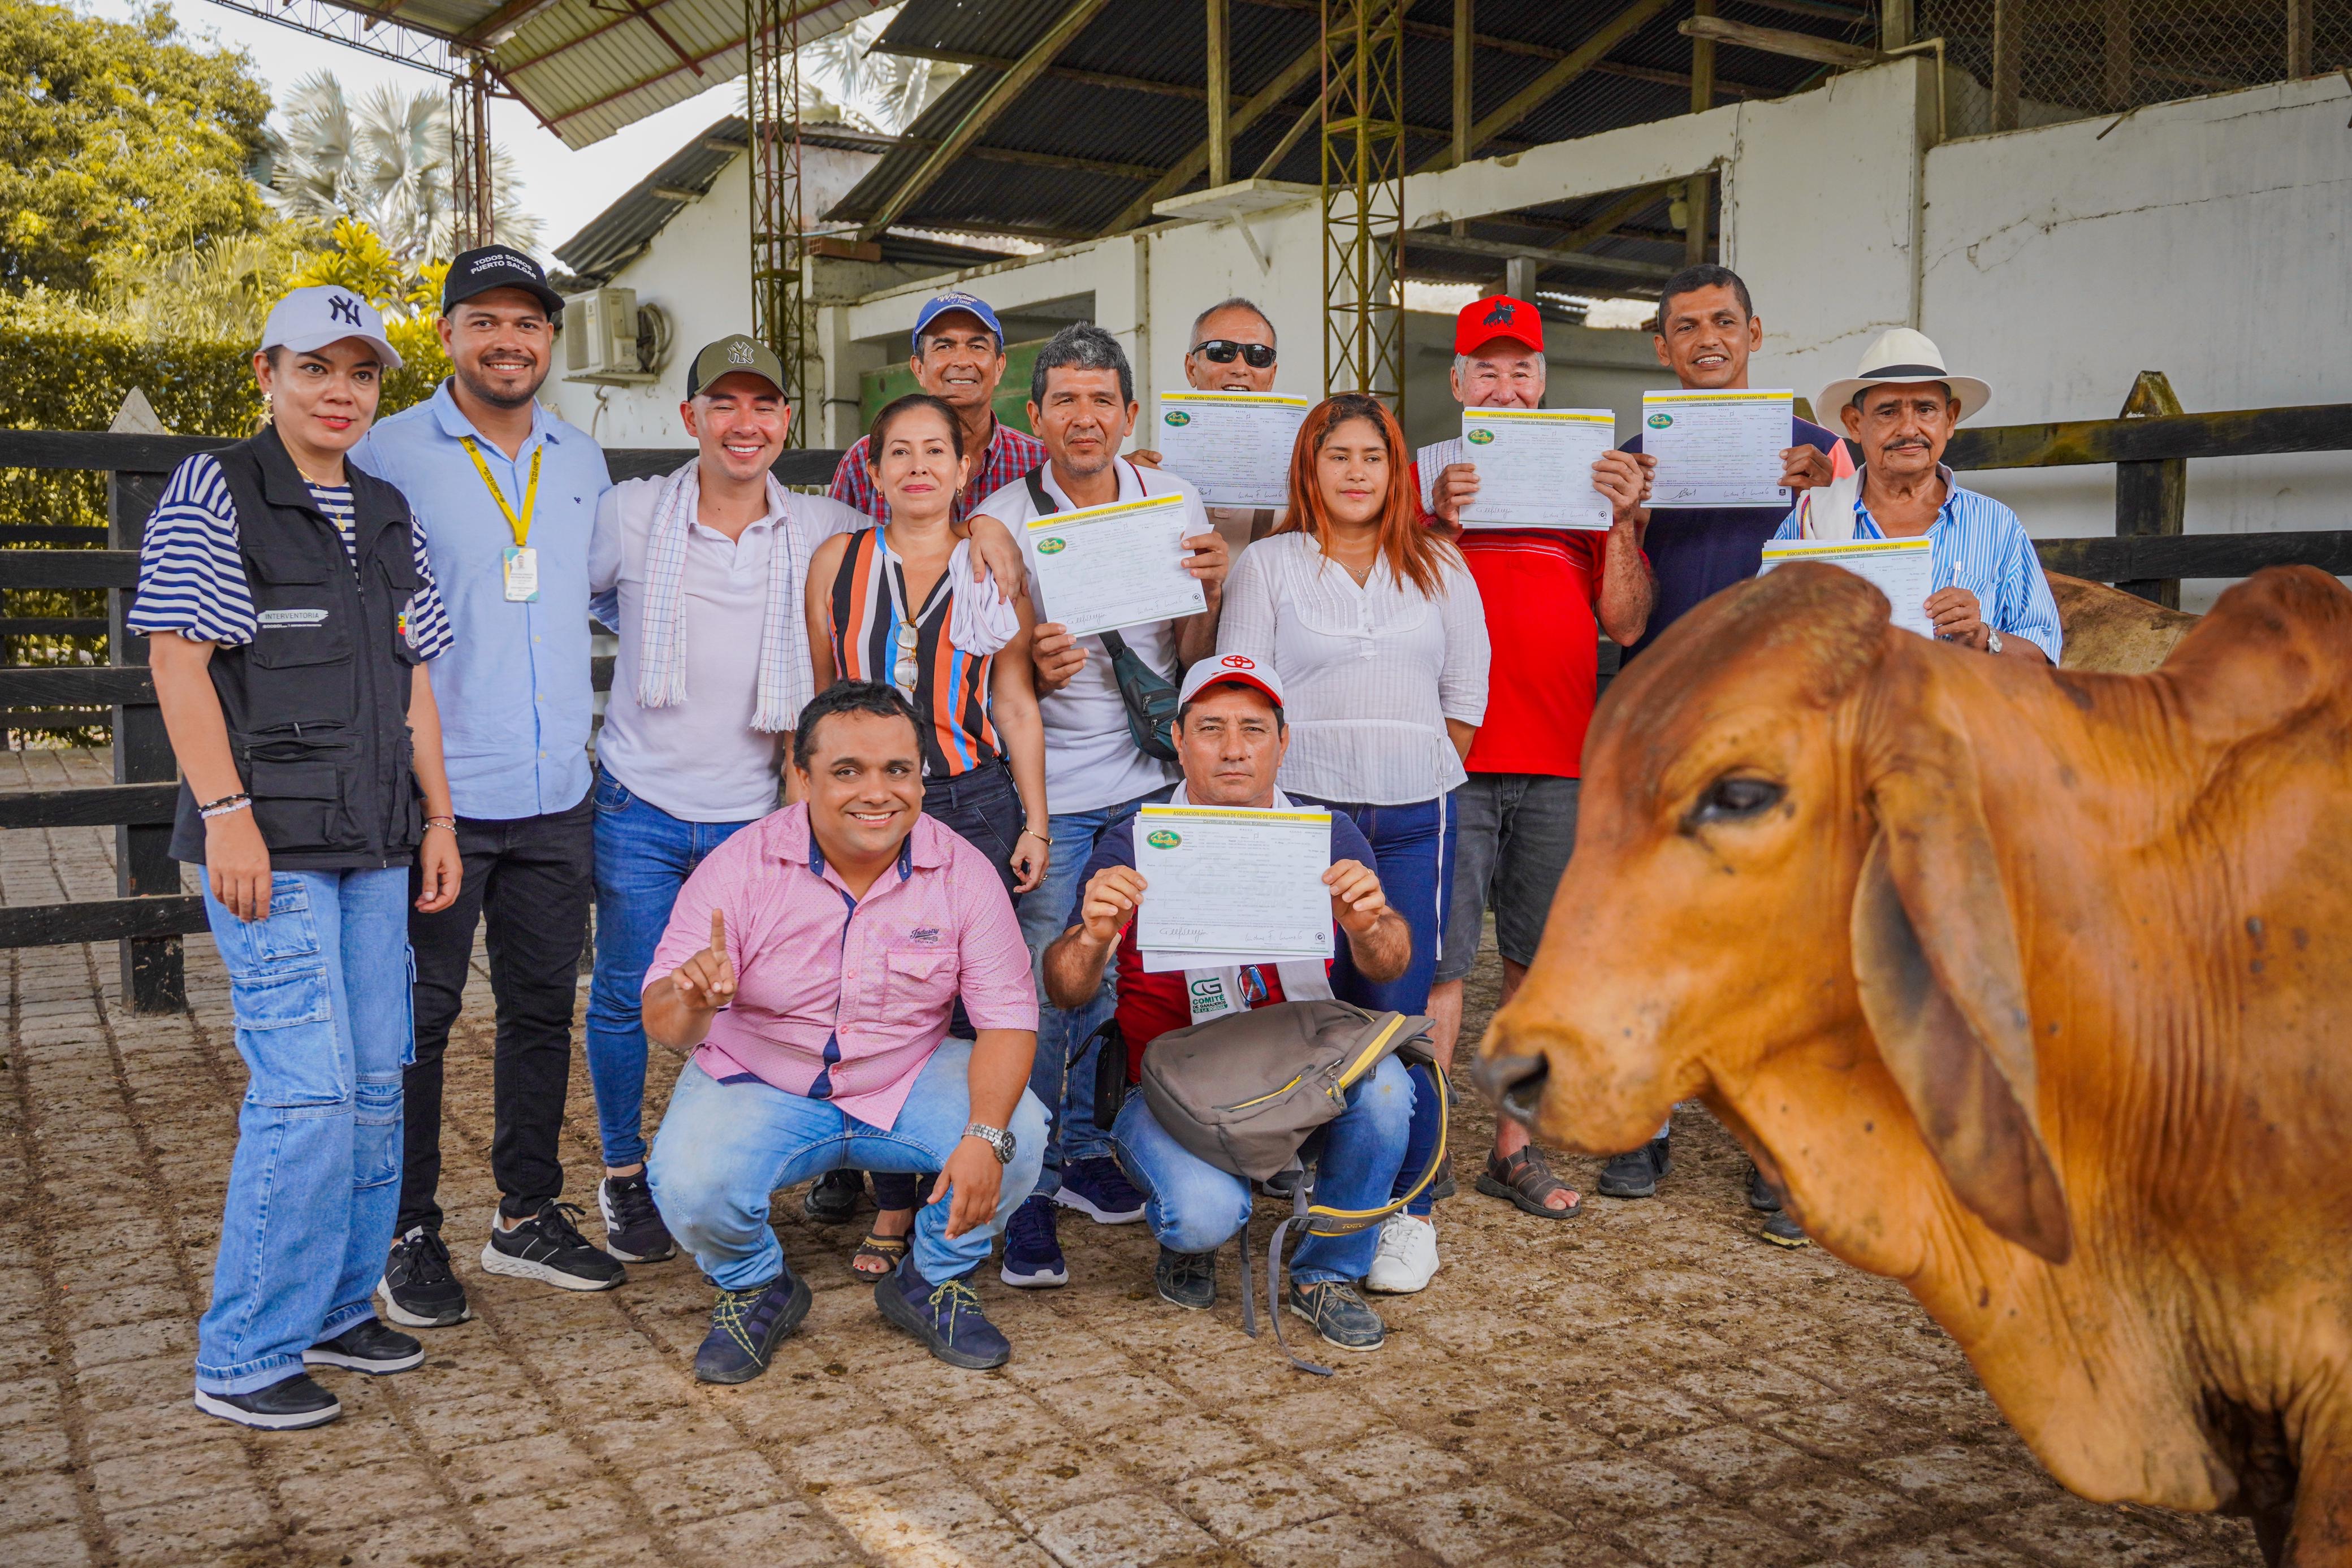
[
  {"x": 946, "y": 1317},
  {"x": 1032, "y": 1254},
  {"x": 1098, "y": 1187},
  {"x": 746, "y": 1326}
]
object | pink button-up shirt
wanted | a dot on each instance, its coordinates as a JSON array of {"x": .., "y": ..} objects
[{"x": 839, "y": 998}]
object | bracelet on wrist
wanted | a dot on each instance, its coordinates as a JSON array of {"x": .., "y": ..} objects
[
  {"x": 224, "y": 805},
  {"x": 1041, "y": 838},
  {"x": 448, "y": 822}
]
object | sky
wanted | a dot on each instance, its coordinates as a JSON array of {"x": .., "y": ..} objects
[{"x": 564, "y": 188}]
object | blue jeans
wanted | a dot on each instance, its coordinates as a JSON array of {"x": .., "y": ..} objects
[
  {"x": 1193, "y": 1207},
  {"x": 1415, "y": 846},
  {"x": 644, "y": 856},
  {"x": 320, "y": 991},
  {"x": 1046, "y": 915},
  {"x": 725, "y": 1148}
]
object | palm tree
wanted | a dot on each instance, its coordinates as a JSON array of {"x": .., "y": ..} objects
[
  {"x": 876, "y": 92},
  {"x": 385, "y": 162}
]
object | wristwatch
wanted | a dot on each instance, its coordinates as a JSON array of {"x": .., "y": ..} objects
[
  {"x": 1992, "y": 640},
  {"x": 996, "y": 1138}
]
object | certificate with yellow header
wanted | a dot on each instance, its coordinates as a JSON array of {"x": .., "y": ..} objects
[
  {"x": 1534, "y": 466},
  {"x": 1100, "y": 569},
  {"x": 1718, "y": 448},
  {"x": 1231, "y": 885},
  {"x": 1234, "y": 448},
  {"x": 1903, "y": 569}
]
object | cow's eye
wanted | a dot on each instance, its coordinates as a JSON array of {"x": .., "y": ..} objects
[{"x": 1734, "y": 798}]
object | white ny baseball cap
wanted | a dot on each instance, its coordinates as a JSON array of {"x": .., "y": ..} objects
[
  {"x": 1239, "y": 669},
  {"x": 310, "y": 319}
]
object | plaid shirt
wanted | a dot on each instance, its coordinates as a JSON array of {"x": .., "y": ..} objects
[{"x": 1011, "y": 455}]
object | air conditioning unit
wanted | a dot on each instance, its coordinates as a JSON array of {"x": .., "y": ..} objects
[{"x": 601, "y": 339}]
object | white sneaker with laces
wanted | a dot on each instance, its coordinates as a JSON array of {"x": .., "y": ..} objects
[{"x": 1407, "y": 1258}]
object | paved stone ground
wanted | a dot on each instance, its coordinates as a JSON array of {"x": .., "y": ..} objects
[{"x": 1647, "y": 1384}]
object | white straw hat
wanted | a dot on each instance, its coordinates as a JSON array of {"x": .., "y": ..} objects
[{"x": 1903, "y": 355}]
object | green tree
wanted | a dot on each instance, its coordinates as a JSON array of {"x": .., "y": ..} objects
[{"x": 118, "y": 137}]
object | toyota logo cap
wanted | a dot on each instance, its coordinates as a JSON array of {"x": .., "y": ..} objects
[
  {"x": 1484, "y": 321},
  {"x": 1239, "y": 669},
  {"x": 310, "y": 319},
  {"x": 488, "y": 266}
]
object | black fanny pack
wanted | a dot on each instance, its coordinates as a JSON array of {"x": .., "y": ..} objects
[{"x": 1148, "y": 696}]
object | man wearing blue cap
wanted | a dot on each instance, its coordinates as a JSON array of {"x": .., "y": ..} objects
[{"x": 959, "y": 358}]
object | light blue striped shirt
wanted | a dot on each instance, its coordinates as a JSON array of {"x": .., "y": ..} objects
[
  {"x": 1978, "y": 544},
  {"x": 192, "y": 574},
  {"x": 514, "y": 694}
]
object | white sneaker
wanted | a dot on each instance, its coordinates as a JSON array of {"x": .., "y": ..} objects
[{"x": 1407, "y": 1258}]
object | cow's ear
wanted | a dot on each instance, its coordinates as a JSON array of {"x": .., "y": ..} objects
[{"x": 1936, "y": 956}]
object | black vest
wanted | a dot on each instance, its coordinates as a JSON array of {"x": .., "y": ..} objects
[{"x": 316, "y": 704}]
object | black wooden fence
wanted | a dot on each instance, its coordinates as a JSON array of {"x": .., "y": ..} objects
[
  {"x": 2148, "y": 555},
  {"x": 151, "y": 913}
]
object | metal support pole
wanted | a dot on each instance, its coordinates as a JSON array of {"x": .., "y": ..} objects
[
  {"x": 155, "y": 974},
  {"x": 2115, "y": 16},
  {"x": 2008, "y": 35},
  {"x": 2299, "y": 37},
  {"x": 1894, "y": 24},
  {"x": 1362, "y": 43},
  {"x": 784, "y": 310},
  {"x": 1702, "y": 99},
  {"x": 2152, "y": 496},
  {"x": 473, "y": 203},
  {"x": 1464, "y": 119},
  {"x": 1221, "y": 95}
]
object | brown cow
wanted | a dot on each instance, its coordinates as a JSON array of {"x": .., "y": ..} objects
[{"x": 2030, "y": 989}]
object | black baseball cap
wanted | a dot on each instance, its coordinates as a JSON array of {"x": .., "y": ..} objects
[{"x": 488, "y": 266}]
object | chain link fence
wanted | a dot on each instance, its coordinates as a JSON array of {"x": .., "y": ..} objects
[{"x": 2075, "y": 59}]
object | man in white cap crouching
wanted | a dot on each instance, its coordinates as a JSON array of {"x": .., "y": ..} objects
[{"x": 1900, "y": 408}]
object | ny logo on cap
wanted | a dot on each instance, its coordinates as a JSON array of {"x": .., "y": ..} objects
[
  {"x": 738, "y": 352},
  {"x": 1500, "y": 316},
  {"x": 343, "y": 307}
]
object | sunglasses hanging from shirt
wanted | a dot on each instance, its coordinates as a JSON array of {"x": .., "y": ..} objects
[
  {"x": 521, "y": 562},
  {"x": 1223, "y": 350}
]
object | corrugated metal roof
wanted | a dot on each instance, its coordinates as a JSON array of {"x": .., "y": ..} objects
[
  {"x": 1023, "y": 174},
  {"x": 619, "y": 234}
]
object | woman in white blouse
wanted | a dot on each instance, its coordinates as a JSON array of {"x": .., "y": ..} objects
[{"x": 1377, "y": 630}]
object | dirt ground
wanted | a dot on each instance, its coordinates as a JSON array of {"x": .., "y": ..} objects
[{"x": 1648, "y": 1383}]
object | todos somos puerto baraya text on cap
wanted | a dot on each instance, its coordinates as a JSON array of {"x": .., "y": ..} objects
[{"x": 488, "y": 266}]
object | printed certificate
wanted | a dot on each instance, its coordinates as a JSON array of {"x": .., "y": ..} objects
[
  {"x": 1222, "y": 881},
  {"x": 1103, "y": 567},
  {"x": 1900, "y": 569},
  {"x": 1534, "y": 466},
  {"x": 1234, "y": 447},
  {"x": 1716, "y": 448}
]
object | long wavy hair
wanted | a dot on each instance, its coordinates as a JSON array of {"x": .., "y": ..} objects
[{"x": 1416, "y": 553}]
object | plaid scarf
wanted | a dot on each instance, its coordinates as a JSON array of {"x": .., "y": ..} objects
[{"x": 787, "y": 682}]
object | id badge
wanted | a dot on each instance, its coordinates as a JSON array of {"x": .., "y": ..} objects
[{"x": 523, "y": 575}]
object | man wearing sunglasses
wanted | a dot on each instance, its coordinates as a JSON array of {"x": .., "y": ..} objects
[{"x": 1232, "y": 351}]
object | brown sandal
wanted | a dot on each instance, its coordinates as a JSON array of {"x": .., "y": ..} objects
[
  {"x": 886, "y": 1251},
  {"x": 1523, "y": 1181}
]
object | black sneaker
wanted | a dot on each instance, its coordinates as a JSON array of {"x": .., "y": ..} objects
[
  {"x": 367, "y": 1347},
  {"x": 417, "y": 1289},
  {"x": 290, "y": 1406},
  {"x": 947, "y": 1317},
  {"x": 1187, "y": 1280},
  {"x": 1782, "y": 1231},
  {"x": 1760, "y": 1195},
  {"x": 1637, "y": 1173},
  {"x": 1340, "y": 1315},
  {"x": 746, "y": 1326},
  {"x": 550, "y": 1248},
  {"x": 833, "y": 1197},
  {"x": 634, "y": 1231}
]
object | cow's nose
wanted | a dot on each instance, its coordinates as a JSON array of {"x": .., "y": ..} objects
[{"x": 1515, "y": 1083}]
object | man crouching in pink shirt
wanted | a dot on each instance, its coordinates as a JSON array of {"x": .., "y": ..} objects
[{"x": 810, "y": 965}]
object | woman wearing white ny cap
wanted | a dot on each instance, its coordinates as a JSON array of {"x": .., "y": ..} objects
[
  {"x": 1901, "y": 407},
  {"x": 290, "y": 607}
]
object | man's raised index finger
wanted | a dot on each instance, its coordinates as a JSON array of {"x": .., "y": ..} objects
[{"x": 719, "y": 932}]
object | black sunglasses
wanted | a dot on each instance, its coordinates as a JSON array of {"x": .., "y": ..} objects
[{"x": 1221, "y": 351}]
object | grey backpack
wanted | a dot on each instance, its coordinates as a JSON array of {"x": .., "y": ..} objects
[{"x": 1245, "y": 1091}]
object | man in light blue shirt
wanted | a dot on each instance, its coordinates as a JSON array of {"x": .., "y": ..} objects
[
  {"x": 1989, "y": 591},
  {"x": 506, "y": 493}
]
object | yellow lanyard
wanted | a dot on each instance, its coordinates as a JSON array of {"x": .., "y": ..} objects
[{"x": 522, "y": 526}]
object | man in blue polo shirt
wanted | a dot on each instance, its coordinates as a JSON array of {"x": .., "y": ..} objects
[
  {"x": 506, "y": 493},
  {"x": 1706, "y": 329}
]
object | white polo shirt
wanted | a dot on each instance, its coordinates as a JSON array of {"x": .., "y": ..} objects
[
  {"x": 1091, "y": 761},
  {"x": 700, "y": 760}
]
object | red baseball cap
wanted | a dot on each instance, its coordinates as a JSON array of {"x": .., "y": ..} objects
[
  {"x": 1484, "y": 321},
  {"x": 1239, "y": 669}
]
